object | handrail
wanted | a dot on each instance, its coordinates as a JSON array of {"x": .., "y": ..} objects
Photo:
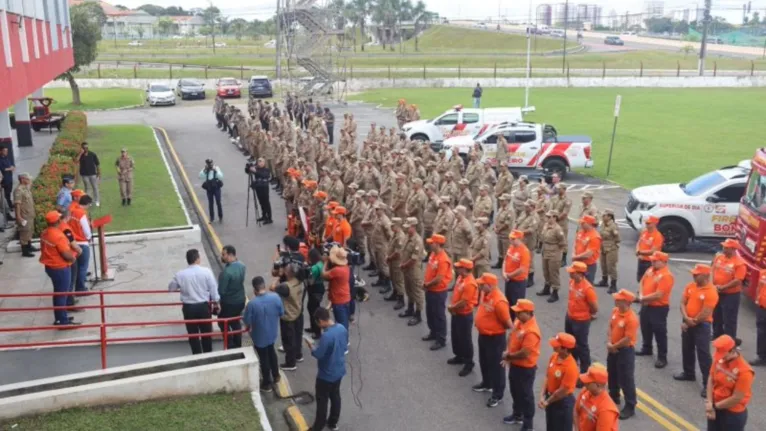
[{"x": 103, "y": 340}]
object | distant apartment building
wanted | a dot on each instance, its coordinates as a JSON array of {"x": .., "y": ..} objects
[
  {"x": 564, "y": 13},
  {"x": 685, "y": 15},
  {"x": 544, "y": 15},
  {"x": 654, "y": 9},
  {"x": 589, "y": 13}
]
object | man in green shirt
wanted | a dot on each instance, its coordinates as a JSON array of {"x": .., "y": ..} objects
[{"x": 231, "y": 289}]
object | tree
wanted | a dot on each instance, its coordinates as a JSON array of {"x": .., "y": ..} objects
[
  {"x": 86, "y": 20},
  {"x": 238, "y": 26},
  {"x": 153, "y": 10},
  {"x": 337, "y": 8},
  {"x": 140, "y": 31},
  {"x": 688, "y": 49},
  {"x": 756, "y": 19},
  {"x": 211, "y": 16},
  {"x": 357, "y": 11},
  {"x": 419, "y": 15},
  {"x": 165, "y": 25},
  {"x": 385, "y": 13},
  {"x": 121, "y": 7}
]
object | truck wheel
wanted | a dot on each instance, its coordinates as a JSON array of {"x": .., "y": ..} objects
[
  {"x": 557, "y": 166},
  {"x": 419, "y": 137},
  {"x": 676, "y": 235}
]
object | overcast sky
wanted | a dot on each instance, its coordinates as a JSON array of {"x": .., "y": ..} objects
[{"x": 477, "y": 9}]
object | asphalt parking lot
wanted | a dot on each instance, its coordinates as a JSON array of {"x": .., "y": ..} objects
[{"x": 393, "y": 381}]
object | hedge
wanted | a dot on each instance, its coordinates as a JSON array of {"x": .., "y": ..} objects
[{"x": 61, "y": 161}]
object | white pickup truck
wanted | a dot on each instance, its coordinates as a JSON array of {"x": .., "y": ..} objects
[
  {"x": 459, "y": 121},
  {"x": 531, "y": 146},
  {"x": 705, "y": 207}
]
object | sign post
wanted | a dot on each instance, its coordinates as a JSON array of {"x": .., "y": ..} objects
[
  {"x": 106, "y": 274},
  {"x": 617, "y": 104}
]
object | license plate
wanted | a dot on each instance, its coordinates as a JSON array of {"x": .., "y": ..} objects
[
  {"x": 193, "y": 94},
  {"x": 231, "y": 91}
]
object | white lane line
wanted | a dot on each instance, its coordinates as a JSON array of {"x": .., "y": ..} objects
[{"x": 678, "y": 259}]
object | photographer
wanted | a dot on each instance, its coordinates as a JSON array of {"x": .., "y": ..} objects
[
  {"x": 212, "y": 178},
  {"x": 291, "y": 292},
  {"x": 337, "y": 273},
  {"x": 260, "y": 177},
  {"x": 315, "y": 290}
]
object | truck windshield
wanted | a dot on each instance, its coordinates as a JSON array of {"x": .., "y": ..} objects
[
  {"x": 703, "y": 183},
  {"x": 755, "y": 195}
]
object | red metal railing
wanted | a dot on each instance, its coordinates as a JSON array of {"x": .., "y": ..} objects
[{"x": 103, "y": 340}]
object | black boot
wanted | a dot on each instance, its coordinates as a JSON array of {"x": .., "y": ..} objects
[
  {"x": 393, "y": 296},
  {"x": 531, "y": 279},
  {"x": 499, "y": 264},
  {"x": 129, "y": 200},
  {"x": 612, "y": 287},
  {"x": 416, "y": 319},
  {"x": 554, "y": 297},
  {"x": 564, "y": 260},
  {"x": 546, "y": 290},
  {"x": 386, "y": 288},
  {"x": 399, "y": 302},
  {"x": 409, "y": 312},
  {"x": 26, "y": 251},
  {"x": 604, "y": 282},
  {"x": 124, "y": 202},
  {"x": 370, "y": 267},
  {"x": 381, "y": 281}
]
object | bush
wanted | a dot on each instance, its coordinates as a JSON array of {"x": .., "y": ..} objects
[{"x": 61, "y": 161}]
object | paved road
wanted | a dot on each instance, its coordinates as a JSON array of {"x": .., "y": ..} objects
[{"x": 402, "y": 384}]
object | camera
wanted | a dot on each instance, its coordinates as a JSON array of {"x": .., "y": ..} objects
[
  {"x": 354, "y": 258},
  {"x": 301, "y": 269}
]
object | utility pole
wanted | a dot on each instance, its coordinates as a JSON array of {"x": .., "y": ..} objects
[
  {"x": 279, "y": 42},
  {"x": 566, "y": 21},
  {"x": 529, "y": 59},
  {"x": 703, "y": 46}
]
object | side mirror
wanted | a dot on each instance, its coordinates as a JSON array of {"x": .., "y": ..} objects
[{"x": 713, "y": 199}]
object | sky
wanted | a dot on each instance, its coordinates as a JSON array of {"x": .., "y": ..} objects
[{"x": 516, "y": 10}]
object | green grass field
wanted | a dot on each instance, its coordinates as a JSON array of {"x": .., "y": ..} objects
[
  {"x": 443, "y": 38},
  {"x": 196, "y": 413},
  {"x": 155, "y": 202},
  {"x": 663, "y": 135},
  {"x": 95, "y": 98}
]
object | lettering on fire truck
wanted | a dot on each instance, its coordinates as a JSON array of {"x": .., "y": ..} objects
[{"x": 724, "y": 225}]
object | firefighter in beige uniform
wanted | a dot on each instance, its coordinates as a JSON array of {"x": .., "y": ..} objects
[
  {"x": 125, "y": 165},
  {"x": 542, "y": 206},
  {"x": 465, "y": 199},
  {"x": 482, "y": 206},
  {"x": 358, "y": 214},
  {"x": 444, "y": 222},
  {"x": 503, "y": 225},
  {"x": 401, "y": 194},
  {"x": 381, "y": 235},
  {"x": 554, "y": 246},
  {"x": 412, "y": 256},
  {"x": 504, "y": 182},
  {"x": 562, "y": 204},
  {"x": 394, "y": 259},
  {"x": 416, "y": 203},
  {"x": 610, "y": 251},
  {"x": 480, "y": 246},
  {"x": 368, "y": 224},
  {"x": 527, "y": 222},
  {"x": 520, "y": 195},
  {"x": 462, "y": 234},
  {"x": 24, "y": 208},
  {"x": 431, "y": 211},
  {"x": 588, "y": 208}
]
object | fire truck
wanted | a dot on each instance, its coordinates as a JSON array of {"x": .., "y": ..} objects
[{"x": 751, "y": 222}]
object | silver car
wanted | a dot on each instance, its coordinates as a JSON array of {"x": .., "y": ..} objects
[{"x": 160, "y": 94}]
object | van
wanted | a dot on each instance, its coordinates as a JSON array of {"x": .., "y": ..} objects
[{"x": 260, "y": 86}]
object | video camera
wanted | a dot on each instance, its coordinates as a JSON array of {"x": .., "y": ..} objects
[
  {"x": 286, "y": 257},
  {"x": 354, "y": 257}
]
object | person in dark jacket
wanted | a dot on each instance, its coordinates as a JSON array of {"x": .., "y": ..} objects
[
  {"x": 231, "y": 289},
  {"x": 259, "y": 181},
  {"x": 477, "y": 96},
  {"x": 331, "y": 364}
]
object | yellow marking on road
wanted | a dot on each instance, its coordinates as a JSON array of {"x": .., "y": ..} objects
[
  {"x": 659, "y": 419},
  {"x": 190, "y": 188},
  {"x": 297, "y": 417},
  {"x": 664, "y": 410}
]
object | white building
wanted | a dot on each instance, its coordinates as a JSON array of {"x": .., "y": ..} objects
[
  {"x": 562, "y": 14},
  {"x": 654, "y": 9},
  {"x": 123, "y": 24},
  {"x": 188, "y": 25},
  {"x": 544, "y": 15}
]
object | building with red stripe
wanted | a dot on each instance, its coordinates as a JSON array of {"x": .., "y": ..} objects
[{"x": 35, "y": 48}]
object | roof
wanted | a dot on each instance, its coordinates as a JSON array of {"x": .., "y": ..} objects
[{"x": 109, "y": 9}]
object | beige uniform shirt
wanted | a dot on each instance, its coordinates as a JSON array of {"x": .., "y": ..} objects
[
  {"x": 480, "y": 247},
  {"x": 462, "y": 237},
  {"x": 125, "y": 167},
  {"x": 482, "y": 207}
]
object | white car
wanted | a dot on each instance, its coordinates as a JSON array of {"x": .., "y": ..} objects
[
  {"x": 531, "y": 146},
  {"x": 220, "y": 44},
  {"x": 459, "y": 121},
  {"x": 705, "y": 207},
  {"x": 160, "y": 94},
  {"x": 135, "y": 43}
]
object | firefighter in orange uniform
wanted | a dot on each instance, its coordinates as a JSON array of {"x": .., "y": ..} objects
[
  {"x": 516, "y": 269},
  {"x": 649, "y": 241},
  {"x": 729, "y": 387},
  {"x": 760, "y": 321},
  {"x": 465, "y": 296},
  {"x": 583, "y": 303},
  {"x": 587, "y": 248},
  {"x": 329, "y": 223},
  {"x": 557, "y": 395},
  {"x": 493, "y": 318},
  {"x": 437, "y": 278},
  {"x": 654, "y": 297},
  {"x": 729, "y": 270},
  {"x": 521, "y": 358},
  {"x": 341, "y": 230},
  {"x": 57, "y": 255},
  {"x": 594, "y": 409},
  {"x": 697, "y": 304},
  {"x": 621, "y": 356}
]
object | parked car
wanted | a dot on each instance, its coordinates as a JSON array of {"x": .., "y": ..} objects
[
  {"x": 458, "y": 121},
  {"x": 531, "y": 147},
  {"x": 190, "y": 89},
  {"x": 220, "y": 44},
  {"x": 135, "y": 43},
  {"x": 260, "y": 86},
  {"x": 628, "y": 33},
  {"x": 614, "y": 40},
  {"x": 715, "y": 40},
  {"x": 705, "y": 207},
  {"x": 228, "y": 87},
  {"x": 160, "y": 94}
]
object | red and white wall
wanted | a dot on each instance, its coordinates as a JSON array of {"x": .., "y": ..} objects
[{"x": 35, "y": 47}]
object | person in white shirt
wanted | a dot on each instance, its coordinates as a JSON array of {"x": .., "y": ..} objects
[{"x": 199, "y": 293}]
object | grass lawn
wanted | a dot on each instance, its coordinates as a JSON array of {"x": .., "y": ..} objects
[
  {"x": 196, "y": 413},
  {"x": 444, "y": 38},
  {"x": 95, "y": 98},
  {"x": 664, "y": 135},
  {"x": 155, "y": 202}
]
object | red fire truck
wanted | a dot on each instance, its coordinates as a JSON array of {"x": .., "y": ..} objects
[{"x": 751, "y": 222}]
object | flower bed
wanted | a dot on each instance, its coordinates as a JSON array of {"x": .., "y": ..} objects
[{"x": 61, "y": 161}]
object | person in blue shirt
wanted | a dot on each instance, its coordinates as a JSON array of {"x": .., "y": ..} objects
[
  {"x": 331, "y": 364},
  {"x": 262, "y": 321},
  {"x": 64, "y": 196}
]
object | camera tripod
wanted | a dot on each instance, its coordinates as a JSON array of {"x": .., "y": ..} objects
[{"x": 251, "y": 191}]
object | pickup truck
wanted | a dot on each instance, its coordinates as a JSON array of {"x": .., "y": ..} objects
[
  {"x": 531, "y": 146},
  {"x": 705, "y": 207},
  {"x": 459, "y": 121}
]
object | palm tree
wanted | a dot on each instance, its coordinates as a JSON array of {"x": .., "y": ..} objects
[
  {"x": 419, "y": 15},
  {"x": 357, "y": 12},
  {"x": 386, "y": 13}
]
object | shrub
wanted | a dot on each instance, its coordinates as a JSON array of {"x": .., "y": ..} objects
[{"x": 61, "y": 161}]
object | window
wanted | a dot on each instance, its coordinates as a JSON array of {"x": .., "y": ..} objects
[
  {"x": 731, "y": 194},
  {"x": 756, "y": 192},
  {"x": 703, "y": 183},
  {"x": 524, "y": 137},
  {"x": 55, "y": 20},
  {"x": 492, "y": 139},
  {"x": 470, "y": 118},
  {"x": 447, "y": 120}
]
